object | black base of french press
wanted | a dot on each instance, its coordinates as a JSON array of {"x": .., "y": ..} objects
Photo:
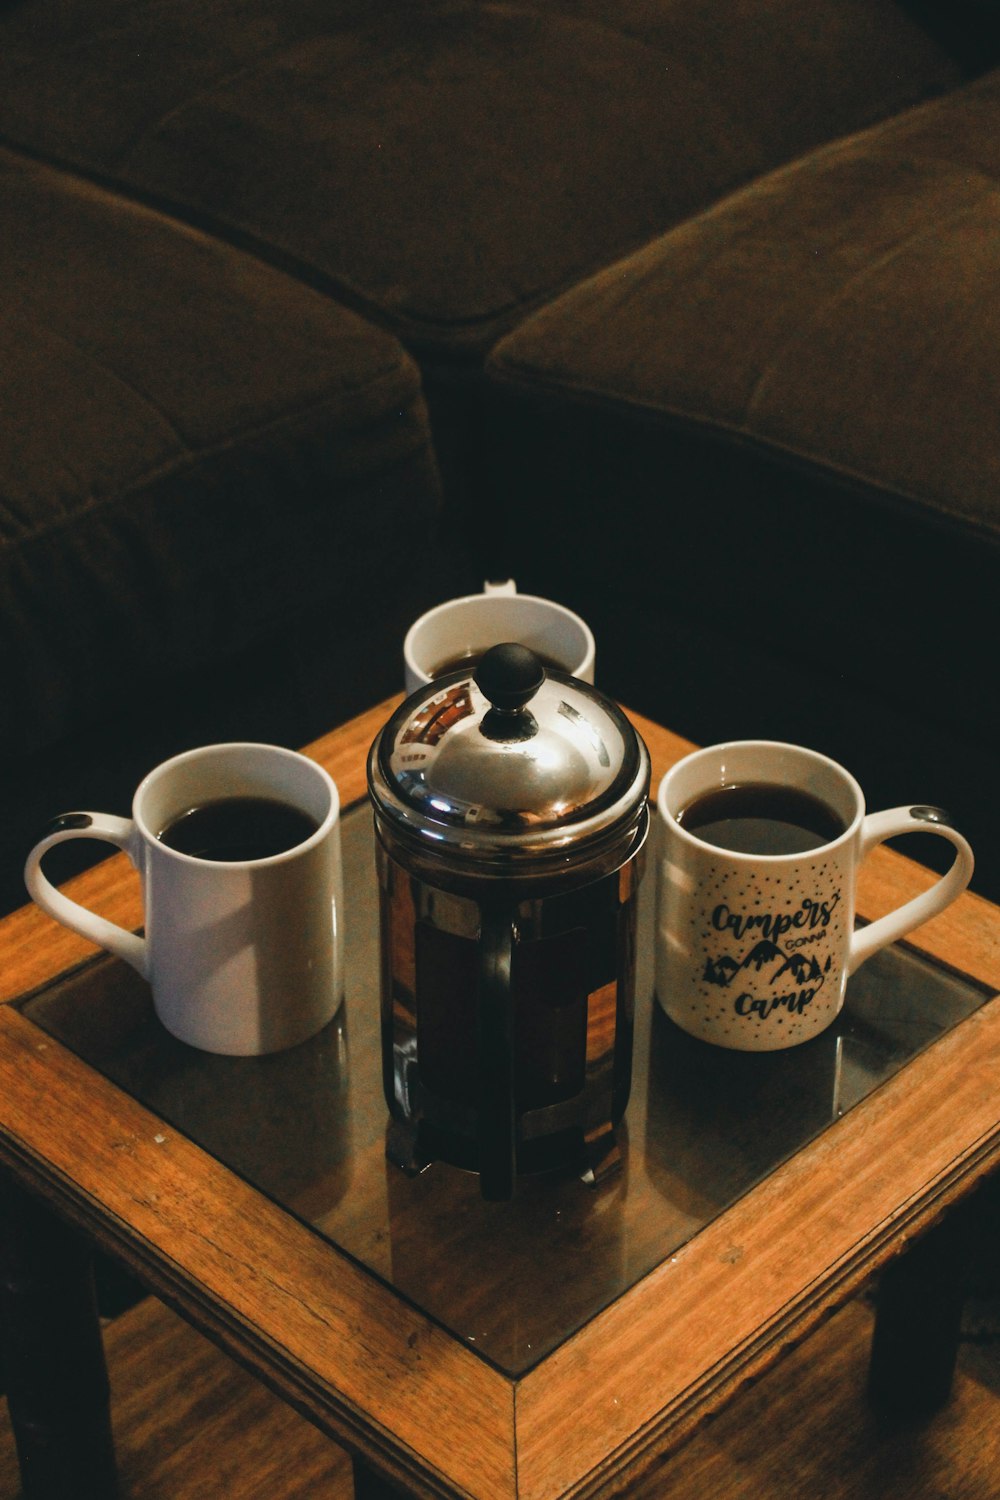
[
  {"x": 402, "y": 1148},
  {"x": 413, "y": 1147},
  {"x": 603, "y": 1156}
]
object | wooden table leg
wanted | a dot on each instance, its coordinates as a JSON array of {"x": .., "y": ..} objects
[
  {"x": 371, "y": 1486},
  {"x": 53, "y": 1354},
  {"x": 918, "y": 1320}
]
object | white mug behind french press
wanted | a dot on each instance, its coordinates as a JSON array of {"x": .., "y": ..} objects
[{"x": 511, "y": 814}]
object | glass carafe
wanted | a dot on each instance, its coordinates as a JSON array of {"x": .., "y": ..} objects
[{"x": 511, "y": 812}]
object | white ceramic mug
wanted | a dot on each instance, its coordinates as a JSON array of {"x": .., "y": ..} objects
[
  {"x": 753, "y": 951},
  {"x": 243, "y": 956},
  {"x": 468, "y": 626}
]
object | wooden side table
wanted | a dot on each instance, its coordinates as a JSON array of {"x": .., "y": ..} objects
[{"x": 549, "y": 1347}]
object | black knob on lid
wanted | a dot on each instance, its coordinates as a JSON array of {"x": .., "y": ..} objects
[{"x": 509, "y": 675}]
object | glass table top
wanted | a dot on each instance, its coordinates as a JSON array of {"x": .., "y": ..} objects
[{"x": 511, "y": 1280}]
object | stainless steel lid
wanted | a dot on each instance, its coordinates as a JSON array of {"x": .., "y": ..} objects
[{"x": 510, "y": 766}]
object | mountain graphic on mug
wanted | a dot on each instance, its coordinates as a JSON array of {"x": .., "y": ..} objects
[{"x": 803, "y": 968}]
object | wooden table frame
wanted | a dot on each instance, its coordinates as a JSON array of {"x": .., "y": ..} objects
[{"x": 410, "y": 1400}]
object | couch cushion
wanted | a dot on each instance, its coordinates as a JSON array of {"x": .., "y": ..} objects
[
  {"x": 450, "y": 163},
  {"x": 197, "y": 451},
  {"x": 844, "y": 312},
  {"x": 767, "y": 448}
]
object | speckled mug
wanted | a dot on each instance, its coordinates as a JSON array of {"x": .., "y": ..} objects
[{"x": 753, "y": 951}]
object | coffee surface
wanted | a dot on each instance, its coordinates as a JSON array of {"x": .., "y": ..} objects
[
  {"x": 468, "y": 661},
  {"x": 238, "y": 828},
  {"x": 761, "y": 817}
]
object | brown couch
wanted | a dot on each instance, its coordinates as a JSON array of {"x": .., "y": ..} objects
[
  {"x": 616, "y": 283},
  {"x": 767, "y": 444}
]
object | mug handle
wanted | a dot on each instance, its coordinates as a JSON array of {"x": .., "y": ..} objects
[
  {"x": 497, "y": 1114},
  {"x": 85, "y": 825},
  {"x": 878, "y": 827}
]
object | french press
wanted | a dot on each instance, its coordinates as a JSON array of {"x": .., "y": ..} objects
[{"x": 511, "y": 812}]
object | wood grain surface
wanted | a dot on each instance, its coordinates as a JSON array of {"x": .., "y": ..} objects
[
  {"x": 189, "y": 1423},
  {"x": 759, "y": 1277}
]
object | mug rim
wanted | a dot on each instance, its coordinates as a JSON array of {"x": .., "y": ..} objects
[
  {"x": 737, "y": 856},
  {"x": 436, "y": 610},
  {"x": 201, "y": 752}
]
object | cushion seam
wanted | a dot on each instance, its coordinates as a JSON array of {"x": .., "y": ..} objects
[
  {"x": 92, "y": 507},
  {"x": 732, "y": 432}
]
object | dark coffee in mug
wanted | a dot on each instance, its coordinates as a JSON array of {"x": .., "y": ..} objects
[
  {"x": 468, "y": 661},
  {"x": 238, "y": 828},
  {"x": 761, "y": 817}
]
